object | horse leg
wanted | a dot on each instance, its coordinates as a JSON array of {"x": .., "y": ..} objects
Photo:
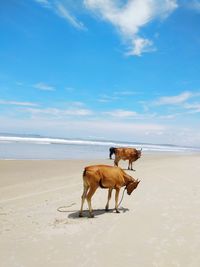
[
  {"x": 116, "y": 199},
  {"x": 116, "y": 161},
  {"x": 85, "y": 189},
  {"x": 109, "y": 197},
  {"x": 129, "y": 165},
  {"x": 91, "y": 192}
]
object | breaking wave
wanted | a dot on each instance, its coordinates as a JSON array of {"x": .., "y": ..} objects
[{"x": 107, "y": 143}]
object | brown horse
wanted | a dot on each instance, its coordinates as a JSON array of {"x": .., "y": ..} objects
[{"x": 105, "y": 176}]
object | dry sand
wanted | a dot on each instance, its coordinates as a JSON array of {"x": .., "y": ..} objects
[{"x": 159, "y": 224}]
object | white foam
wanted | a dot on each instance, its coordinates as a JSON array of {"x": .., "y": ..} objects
[{"x": 51, "y": 141}]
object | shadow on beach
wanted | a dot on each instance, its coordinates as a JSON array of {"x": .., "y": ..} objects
[{"x": 75, "y": 214}]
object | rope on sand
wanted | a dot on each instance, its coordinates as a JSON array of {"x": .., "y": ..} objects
[
  {"x": 121, "y": 197},
  {"x": 65, "y": 208}
]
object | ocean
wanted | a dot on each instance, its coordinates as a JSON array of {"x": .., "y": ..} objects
[{"x": 36, "y": 148}]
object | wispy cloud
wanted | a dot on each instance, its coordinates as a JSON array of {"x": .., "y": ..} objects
[
  {"x": 59, "y": 112},
  {"x": 44, "y": 87},
  {"x": 77, "y": 104},
  {"x": 130, "y": 17},
  {"x": 193, "y": 108},
  {"x": 60, "y": 8},
  {"x": 174, "y": 100},
  {"x": 169, "y": 116},
  {"x": 106, "y": 98},
  {"x": 192, "y": 4},
  {"x": 125, "y": 93},
  {"x": 17, "y": 103},
  {"x": 117, "y": 95},
  {"x": 119, "y": 113},
  {"x": 62, "y": 11},
  {"x": 44, "y": 3}
]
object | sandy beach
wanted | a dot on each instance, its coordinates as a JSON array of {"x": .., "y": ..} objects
[{"x": 158, "y": 225}]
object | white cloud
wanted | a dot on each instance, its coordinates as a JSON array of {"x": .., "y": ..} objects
[
  {"x": 17, "y": 103},
  {"x": 119, "y": 113},
  {"x": 59, "y": 112},
  {"x": 139, "y": 46},
  {"x": 43, "y": 86},
  {"x": 174, "y": 100},
  {"x": 128, "y": 18}
]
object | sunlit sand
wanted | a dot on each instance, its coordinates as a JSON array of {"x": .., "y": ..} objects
[{"x": 158, "y": 224}]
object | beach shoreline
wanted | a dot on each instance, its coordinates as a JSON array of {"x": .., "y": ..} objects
[{"x": 158, "y": 224}]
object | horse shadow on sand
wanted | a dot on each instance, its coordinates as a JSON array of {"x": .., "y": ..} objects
[{"x": 97, "y": 212}]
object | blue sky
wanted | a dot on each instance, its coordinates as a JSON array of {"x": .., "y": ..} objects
[{"x": 121, "y": 70}]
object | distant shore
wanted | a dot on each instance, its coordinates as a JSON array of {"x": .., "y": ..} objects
[{"x": 158, "y": 224}]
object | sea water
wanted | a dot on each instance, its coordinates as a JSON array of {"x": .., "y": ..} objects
[{"x": 20, "y": 147}]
